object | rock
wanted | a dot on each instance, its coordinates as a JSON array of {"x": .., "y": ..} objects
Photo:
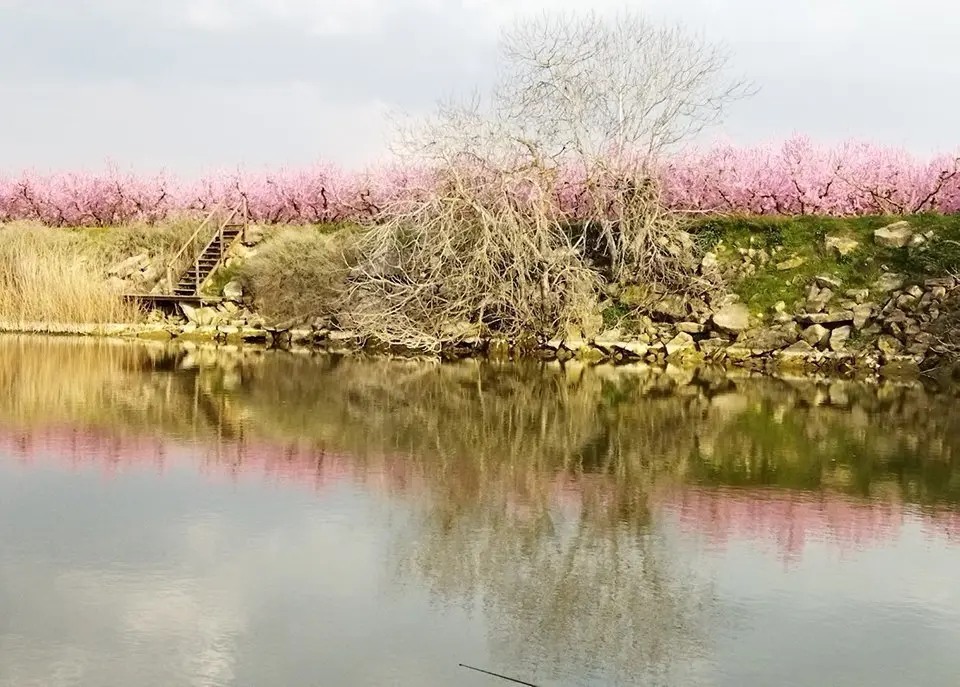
[
  {"x": 711, "y": 346},
  {"x": 791, "y": 264},
  {"x": 190, "y": 313},
  {"x": 800, "y": 349},
  {"x": 835, "y": 317},
  {"x": 589, "y": 354},
  {"x": 862, "y": 314},
  {"x": 344, "y": 336},
  {"x": 606, "y": 341},
  {"x": 671, "y": 307},
  {"x": 634, "y": 349},
  {"x": 690, "y": 327},
  {"x": 906, "y": 301},
  {"x": 896, "y": 235},
  {"x": 859, "y": 295},
  {"x": 233, "y": 290},
  {"x": 839, "y": 337},
  {"x": 817, "y": 299},
  {"x": 726, "y": 299},
  {"x": 733, "y": 318},
  {"x": 828, "y": 281},
  {"x": 920, "y": 239},
  {"x": 816, "y": 335},
  {"x": 915, "y": 291},
  {"x": 129, "y": 266},
  {"x": 889, "y": 281},
  {"x": 681, "y": 343},
  {"x": 843, "y": 245},
  {"x": 198, "y": 334},
  {"x": 783, "y": 318},
  {"x": 770, "y": 339},
  {"x": 205, "y": 316},
  {"x": 151, "y": 274},
  {"x": 888, "y": 345}
]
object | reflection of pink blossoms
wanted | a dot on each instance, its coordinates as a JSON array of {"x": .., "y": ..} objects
[
  {"x": 787, "y": 519},
  {"x": 794, "y": 177}
]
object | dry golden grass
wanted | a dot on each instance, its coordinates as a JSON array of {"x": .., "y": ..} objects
[
  {"x": 52, "y": 275},
  {"x": 59, "y": 276}
]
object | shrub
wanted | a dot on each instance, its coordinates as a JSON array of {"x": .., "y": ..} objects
[{"x": 299, "y": 273}]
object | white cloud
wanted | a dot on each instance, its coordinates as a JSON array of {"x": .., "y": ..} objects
[{"x": 138, "y": 80}]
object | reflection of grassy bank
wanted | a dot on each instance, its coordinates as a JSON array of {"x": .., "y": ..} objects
[{"x": 475, "y": 428}]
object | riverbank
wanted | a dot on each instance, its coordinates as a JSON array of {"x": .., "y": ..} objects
[{"x": 810, "y": 295}]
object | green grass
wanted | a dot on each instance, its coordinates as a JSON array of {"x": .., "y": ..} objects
[{"x": 804, "y": 237}]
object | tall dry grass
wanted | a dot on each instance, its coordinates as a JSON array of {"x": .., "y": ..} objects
[
  {"x": 55, "y": 276},
  {"x": 59, "y": 276}
]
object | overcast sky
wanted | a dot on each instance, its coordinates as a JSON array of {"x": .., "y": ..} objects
[{"x": 193, "y": 85}]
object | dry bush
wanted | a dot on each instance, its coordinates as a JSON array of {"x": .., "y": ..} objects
[
  {"x": 545, "y": 189},
  {"x": 299, "y": 273},
  {"x": 471, "y": 259},
  {"x": 56, "y": 276}
]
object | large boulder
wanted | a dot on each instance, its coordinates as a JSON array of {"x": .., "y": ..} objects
[
  {"x": 127, "y": 267},
  {"x": 896, "y": 235},
  {"x": 839, "y": 337},
  {"x": 733, "y": 317},
  {"x": 233, "y": 290},
  {"x": 842, "y": 245}
]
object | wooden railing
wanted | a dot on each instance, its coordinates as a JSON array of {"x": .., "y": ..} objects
[{"x": 173, "y": 267}]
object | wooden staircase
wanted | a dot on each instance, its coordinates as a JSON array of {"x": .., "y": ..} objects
[{"x": 206, "y": 260}]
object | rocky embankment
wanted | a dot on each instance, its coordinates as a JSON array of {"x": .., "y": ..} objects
[{"x": 897, "y": 325}]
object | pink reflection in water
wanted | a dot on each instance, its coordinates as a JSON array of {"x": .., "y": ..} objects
[{"x": 789, "y": 520}]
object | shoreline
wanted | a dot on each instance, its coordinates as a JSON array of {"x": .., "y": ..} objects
[{"x": 794, "y": 361}]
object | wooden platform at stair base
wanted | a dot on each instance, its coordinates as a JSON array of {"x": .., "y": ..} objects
[{"x": 168, "y": 302}]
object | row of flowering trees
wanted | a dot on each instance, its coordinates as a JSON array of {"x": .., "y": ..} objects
[{"x": 792, "y": 178}]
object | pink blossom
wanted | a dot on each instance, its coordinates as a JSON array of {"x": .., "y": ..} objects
[{"x": 793, "y": 177}]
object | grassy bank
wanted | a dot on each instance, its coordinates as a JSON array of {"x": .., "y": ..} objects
[
  {"x": 304, "y": 273},
  {"x": 773, "y": 241}
]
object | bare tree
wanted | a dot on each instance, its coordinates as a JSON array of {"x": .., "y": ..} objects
[
  {"x": 617, "y": 88},
  {"x": 546, "y": 187}
]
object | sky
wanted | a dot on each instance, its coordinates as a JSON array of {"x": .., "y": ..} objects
[{"x": 191, "y": 86}]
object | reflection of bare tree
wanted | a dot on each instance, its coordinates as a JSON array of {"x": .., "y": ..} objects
[{"x": 576, "y": 594}]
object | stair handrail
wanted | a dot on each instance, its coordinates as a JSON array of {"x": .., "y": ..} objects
[
  {"x": 171, "y": 266},
  {"x": 219, "y": 236}
]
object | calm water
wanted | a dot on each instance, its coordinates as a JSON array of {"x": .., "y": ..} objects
[{"x": 198, "y": 518}]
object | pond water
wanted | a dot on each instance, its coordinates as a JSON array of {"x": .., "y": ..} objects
[{"x": 173, "y": 517}]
